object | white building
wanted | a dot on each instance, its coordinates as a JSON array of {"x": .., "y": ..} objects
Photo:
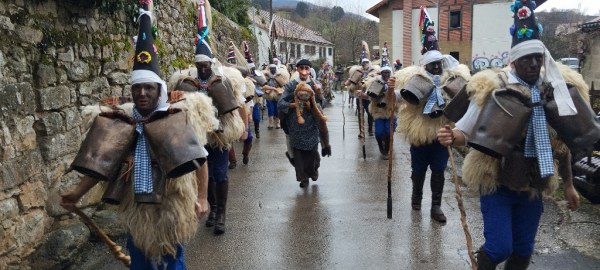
[{"x": 293, "y": 41}]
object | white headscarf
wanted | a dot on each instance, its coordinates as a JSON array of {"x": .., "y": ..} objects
[
  {"x": 449, "y": 61},
  {"x": 552, "y": 75},
  {"x": 148, "y": 76}
]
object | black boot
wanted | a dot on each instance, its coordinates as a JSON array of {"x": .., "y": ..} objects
[
  {"x": 516, "y": 262},
  {"x": 257, "y": 129},
  {"x": 212, "y": 216},
  {"x": 221, "y": 196},
  {"x": 370, "y": 123},
  {"x": 437, "y": 188},
  {"x": 381, "y": 145},
  {"x": 232, "y": 159},
  {"x": 484, "y": 262},
  {"x": 417, "y": 190},
  {"x": 246, "y": 152}
]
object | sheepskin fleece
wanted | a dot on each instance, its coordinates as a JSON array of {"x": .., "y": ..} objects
[
  {"x": 377, "y": 112},
  {"x": 249, "y": 92},
  {"x": 419, "y": 129},
  {"x": 237, "y": 81},
  {"x": 201, "y": 112},
  {"x": 480, "y": 171},
  {"x": 156, "y": 229},
  {"x": 232, "y": 127}
]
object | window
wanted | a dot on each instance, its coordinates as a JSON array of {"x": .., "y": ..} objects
[
  {"x": 310, "y": 50},
  {"x": 320, "y": 52},
  {"x": 456, "y": 55},
  {"x": 298, "y": 50},
  {"x": 292, "y": 50},
  {"x": 330, "y": 51},
  {"x": 455, "y": 19}
]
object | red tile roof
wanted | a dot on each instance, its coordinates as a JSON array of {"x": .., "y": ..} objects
[{"x": 286, "y": 28}]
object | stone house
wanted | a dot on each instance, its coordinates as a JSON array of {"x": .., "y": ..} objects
[
  {"x": 473, "y": 31},
  {"x": 590, "y": 56},
  {"x": 293, "y": 41}
]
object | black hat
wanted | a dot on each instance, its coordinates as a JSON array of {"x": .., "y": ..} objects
[
  {"x": 304, "y": 62},
  {"x": 146, "y": 57},
  {"x": 525, "y": 26},
  {"x": 203, "y": 50},
  {"x": 428, "y": 38}
]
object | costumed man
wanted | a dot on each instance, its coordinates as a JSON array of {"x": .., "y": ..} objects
[
  {"x": 325, "y": 76},
  {"x": 511, "y": 185},
  {"x": 379, "y": 90},
  {"x": 305, "y": 127},
  {"x": 211, "y": 81},
  {"x": 161, "y": 212},
  {"x": 385, "y": 58},
  {"x": 273, "y": 91},
  {"x": 339, "y": 75},
  {"x": 397, "y": 65},
  {"x": 259, "y": 80},
  {"x": 419, "y": 119},
  {"x": 246, "y": 89}
]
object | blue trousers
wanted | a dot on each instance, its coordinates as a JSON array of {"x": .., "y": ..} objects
[
  {"x": 272, "y": 107},
  {"x": 218, "y": 160},
  {"x": 382, "y": 128},
  {"x": 510, "y": 222},
  {"x": 140, "y": 262},
  {"x": 433, "y": 155},
  {"x": 256, "y": 113}
]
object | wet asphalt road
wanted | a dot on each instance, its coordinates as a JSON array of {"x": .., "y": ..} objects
[{"x": 339, "y": 221}]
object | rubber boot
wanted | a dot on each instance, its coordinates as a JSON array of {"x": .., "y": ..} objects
[
  {"x": 212, "y": 215},
  {"x": 221, "y": 196},
  {"x": 484, "y": 262},
  {"x": 516, "y": 262},
  {"x": 232, "y": 159},
  {"x": 257, "y": 129},
  {"x": 246, "y": 152},
  {"x": 437, "y": 188},
  {"x": 417, "y": 190}
]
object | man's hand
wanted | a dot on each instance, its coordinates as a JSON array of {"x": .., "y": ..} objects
[
  {"x": 201, "y": 208},
  {"x": 572, "y": 197},
  {"x": 69, "y": 199},
  {"x": 445, "y": 135},
  {"x": 391, "y": 83},
  {"x": 326, "y": 151}
]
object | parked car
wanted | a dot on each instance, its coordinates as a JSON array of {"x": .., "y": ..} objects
[{"x": 573, "y": 63}]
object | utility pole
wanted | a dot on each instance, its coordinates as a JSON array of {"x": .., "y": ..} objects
[{"x": 271, "y": 39}]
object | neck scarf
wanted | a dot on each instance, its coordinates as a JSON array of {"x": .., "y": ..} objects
[
  {"x": 436, "y": 95},
  {"x": 142, "y": 166},
  {"x": 537, "y": 142}
]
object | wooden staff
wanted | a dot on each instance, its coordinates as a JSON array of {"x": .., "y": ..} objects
[
  {"x": 461, "y": 207},
  {"x": 114, "y": 248},
  {"x": 361, "y": 125},
  {"x": 390, "y": 152}
]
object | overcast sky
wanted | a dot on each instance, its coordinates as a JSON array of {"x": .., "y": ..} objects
[{"x": 589, "y": 7}]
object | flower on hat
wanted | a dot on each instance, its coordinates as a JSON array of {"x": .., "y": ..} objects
[
  {"x": 524, "y": 13},
  {"x": 144, "y": 57},
  {"x": 145, "y": 2}
]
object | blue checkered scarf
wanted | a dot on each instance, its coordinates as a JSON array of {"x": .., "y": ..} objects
[
  {"x": 537, "y": 142},
  {"x": 142, "y": 166},
  {"x": 436, "y": 95}
]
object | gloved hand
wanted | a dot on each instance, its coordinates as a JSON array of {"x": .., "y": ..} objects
[{"x": 326, "y": 151}]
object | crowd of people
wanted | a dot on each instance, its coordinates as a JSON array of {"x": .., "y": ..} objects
[{"x": 511, "y": 172}]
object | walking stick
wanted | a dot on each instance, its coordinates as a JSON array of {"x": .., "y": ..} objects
[
  {"x": 361, "y": 120},
  {"x": 390, "y": 152},
  {"x": 461, "y": 207},
  {"x": 114, "y": 248},
  {"x": 343, "y": 116}
]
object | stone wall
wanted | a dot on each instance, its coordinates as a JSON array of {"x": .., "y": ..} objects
[{"x": 55, "y": 57}]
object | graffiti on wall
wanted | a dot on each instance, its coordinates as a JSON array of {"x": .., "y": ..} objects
[{"x": 481, "y": 62}]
